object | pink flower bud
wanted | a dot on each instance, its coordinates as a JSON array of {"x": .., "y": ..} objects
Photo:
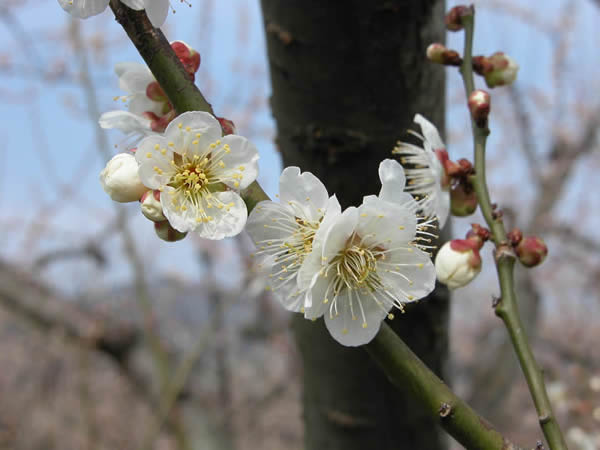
[
  {"x": 457, "y": 263},
  {"x": 438, "y": 53},
  {"x": 502, "y": 71},
  {"x": 166, "y": 232},
  {"x": 120, "y": 179},
  {"x": 189, "y": 57},
  {"x": 478, "y": 235},
  {"x": 531, "y": 251},
  {"x": 151, "y": 206},
  {"x": 479, "y": 105},
  {"x": 227, "y": 126},
  {"x": 454, "y": 17},
  {"x": 515, "y": 236},
  {"x": 463, "y": 200}
]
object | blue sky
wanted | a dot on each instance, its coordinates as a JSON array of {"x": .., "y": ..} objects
[{"x": 48, "y": 136}]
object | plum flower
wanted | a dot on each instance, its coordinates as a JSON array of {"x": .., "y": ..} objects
[
  {"x": 366, "y": 263},
  {"x": 149, "y": 109},
  {"x": 366, "y": 266},
  {"x": 198, "y": 174},
  {"x": 156, "y": 10},
  {"x": 426, "y": 175},
  {"x": 284, "y": 232}
]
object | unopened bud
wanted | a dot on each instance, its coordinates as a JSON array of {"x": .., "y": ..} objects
[
  {"x": 479, "y": 105},
  {"x": 189, "y": 57},
  {"x": 515, "y": 236},
  {"x": 438, "y": 53},
  {"x": 120, "y": 179},
  {"x": 166, "y": 232},
  {"x": 463, "y": 200},
  {"x": 531, "y": 251},
  {"x": 154, "y": 92},
  {"x": 503, "y": 70},
  {"x": 454, "y": 17},
  {"x": 227, "y": 126},
  {"x": 151, "y": 206},
  {"x": 457, "y": 263},
  {"x": 478, "y": 234}
]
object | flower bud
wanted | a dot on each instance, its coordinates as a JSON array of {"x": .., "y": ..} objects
[
  {"x": 227, "y": 126},
  {"x": 120, "y": 179},
  {"x": 531, "y": 251},
  {"x": 515, "y": 236},
  {"x": 454, "y": 17},
  {"x": 151, "y": 206},
  {"x": 189, "y": 57},
  {"x": 503, "y": 70},
  {"x": 463, "y": 200},
  {"x": 166, "y": 232},
  {"x": 478, "y": 235},
  {"x": 438, "y": 53},
  {"x": 479, "y": 105},
  {"x": 457, "y": 263}
]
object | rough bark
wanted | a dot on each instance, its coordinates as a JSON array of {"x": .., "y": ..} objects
[{"x": 347, "y": 79}]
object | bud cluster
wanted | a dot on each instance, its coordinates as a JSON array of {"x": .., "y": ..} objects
[
  {"x": 454, "y": 19},
  {"x": 438, "y": 53},
  {"x": 531, "y": 250}
]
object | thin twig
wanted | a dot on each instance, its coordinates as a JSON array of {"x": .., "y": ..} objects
[{"x": 507, "y": 308}]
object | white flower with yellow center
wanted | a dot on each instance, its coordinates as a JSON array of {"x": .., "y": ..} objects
[
  {"x": 156, "y": 10},
  {"x": 284, "y": 232},
  {"x": 366, "y": 265},
  {"x": 198, "y": 173},
  {"x": 426, "y": 175}
]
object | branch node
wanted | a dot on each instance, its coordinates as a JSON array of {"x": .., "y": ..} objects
[{"x": 445, "y": 410}]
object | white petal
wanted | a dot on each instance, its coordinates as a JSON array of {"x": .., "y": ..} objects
[
  {"x": 133, "y": 77},
  {"x": 392, "y": 179},
  {"x": 82, "y": 9},
  {"x": 155, "y": 167},
  {"x": 134, "y": 4},
  {"x": 140, "y": 103},
  {"x": 442, "y": 207},
  {"x": 227, "y": 221},
  {"x": 260, "y": 225},
  {"x": 242, "y": 160},
  {"x": 157, "y": 11},
  {"x": 409, "y": 273},
  {"x": 183, "y": 129},
  {"x": 125, "y": 121},
  {"x": 349, "y": 332},
  {"x": 340, "y": 231},
  {"x": 315, "y": 304},
  {"x": 385, "y": 224},
  {"x": 332, "y": 210},
  {"x": 310, "y": 267},
  {"x": 304, "y": 189},
  {"x": 285, "y": 288},
  {"x": 178, "y": 210},
  {"x": 430, "y": 132}
]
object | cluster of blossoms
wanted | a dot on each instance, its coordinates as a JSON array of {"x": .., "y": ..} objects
[
  {"x": 187, "y": 179},
  {"x": 352, "y": 267},
  {"x": 156, "y": 10}
]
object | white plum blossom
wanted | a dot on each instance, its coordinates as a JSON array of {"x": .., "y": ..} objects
[
  {"x": 366, "y": 264},
  {"x": 156, "y": 10},
  {"x": 367, "y": 261},
  {"x": 120, "y": 179},
  {"x": 199, "y": 174},
  {"x": 146, "y": 115},
  {"x": 284, "y": 232},
  {"x": 426, "y": 175}
]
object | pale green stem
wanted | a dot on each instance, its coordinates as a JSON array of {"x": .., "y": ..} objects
[{"x": 506, "y": 308}]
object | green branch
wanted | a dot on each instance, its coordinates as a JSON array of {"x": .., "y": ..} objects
[
  {"x": 401, "y": 365},
  {"x": 506, "y": 308}
]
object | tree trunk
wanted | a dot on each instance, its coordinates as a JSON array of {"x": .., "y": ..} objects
[{"x": 347, "y": 78}]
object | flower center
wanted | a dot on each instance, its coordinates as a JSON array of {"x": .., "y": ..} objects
[
  {"x": 356, "y": 268},
  {"x": 191, "y": 177}
]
